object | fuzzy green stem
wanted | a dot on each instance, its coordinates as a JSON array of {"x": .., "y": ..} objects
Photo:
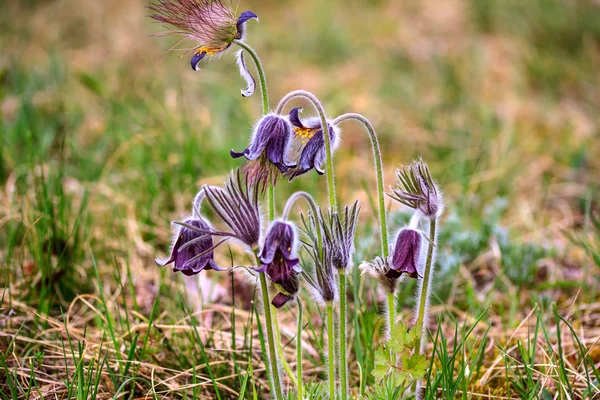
[
  {"x": 321, "y": 111},
  {"x": 275, "y": 378},
  {"x": 330, "y": 350},
  {"x": 299, "y": 350},
  {"x": 261, "y": 74},
  {"x": 343, "y": 361},
  {"x": 313, "y": 207},
  {"x": 379, "y": 169},
  {"x": 391, "y": 301},
  {"x": 286, "y": 365},
  {"x": 426, "y": 286}
]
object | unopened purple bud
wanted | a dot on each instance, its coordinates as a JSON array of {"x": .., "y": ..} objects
[{"x": 405, "y": 258}]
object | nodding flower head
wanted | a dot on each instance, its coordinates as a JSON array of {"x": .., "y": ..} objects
[
  {"x": 339, "y": 230},
  {"x": 278, "y": 259},
  {"x": 307, "y": 150},
  {"x": 211, "y": 24},
  {"x": 380, "y": 270},
  {"x": 322, "y": 278},
  {"x": 406, "y": 254},
  {"x": 237, "y": 205},
  {"x": 415, "y": 189},
  {"x": 267, "y": 151},
  {"x": 192, "y": 250}
]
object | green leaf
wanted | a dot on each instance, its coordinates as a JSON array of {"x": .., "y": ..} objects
[
  {"x": 415, "y": 364},
  {"x": 380, "y": 371}
]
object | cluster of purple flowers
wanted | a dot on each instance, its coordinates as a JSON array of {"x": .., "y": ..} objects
[{"x": 290, "y": 146}]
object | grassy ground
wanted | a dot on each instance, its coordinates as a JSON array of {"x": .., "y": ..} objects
[{"x": 103, "y": 143}]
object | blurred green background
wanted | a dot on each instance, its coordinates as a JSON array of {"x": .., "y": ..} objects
[{"x": 105, "y": 138}]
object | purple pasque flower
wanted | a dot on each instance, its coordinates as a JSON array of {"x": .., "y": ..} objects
[
  {"x": 307, "y": 149},
  {"x": 279, "y": 261},
  {"x": 237, "y": 205},
  {"x": 406, "y": 254},
  {"x": 339, "y": 230},
  {"x": 415, "y": 189},
  {"x": 192, "y": 251},
  {"x": 211, "y": 24},
  {"x": 267, "y": 150}
]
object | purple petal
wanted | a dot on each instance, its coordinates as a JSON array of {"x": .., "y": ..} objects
[
  {"x": 241, "y": 22},
  {"x": 295, "y": 118},
  {"x": 281, "y": 299},
  {"x": 196, "y": 60}
]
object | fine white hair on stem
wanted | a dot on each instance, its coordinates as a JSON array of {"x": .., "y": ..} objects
[
  {"x": 245, "y": 73},
  {"x": 197, "y": 203},
  {"x": 433, "y": 244}
]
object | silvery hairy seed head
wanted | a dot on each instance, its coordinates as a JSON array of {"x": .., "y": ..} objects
[
  {"x": 307, "y": 150},
  {"x": 380, "y": 270},
  {"x": 267, "y": 151},
  {"x": 211, "y": 24},
  {"x": 339, "y": 230},
  {"x": 237, "y": 205},
  {"x": 278, "y": 259},
  {"x": 192, "y": 249},
  {"x": 321, "y": 278},
  {"x": 415, "y": 188}
]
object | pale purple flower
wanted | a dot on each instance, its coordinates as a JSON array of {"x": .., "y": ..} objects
[{"x": 267, "y": 150}]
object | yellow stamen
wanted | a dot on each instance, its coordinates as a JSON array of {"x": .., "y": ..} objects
[{"x": 304, "y": 132}]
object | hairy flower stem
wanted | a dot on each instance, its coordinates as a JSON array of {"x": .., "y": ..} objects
[
  {"x": 426, "y": 286},
  {"x": 275, "y": 378},
  {"x": 300, "y": 384},
  {"x": 286, "y": 365},
  {"x": 321, "y": 111},
  {"x": 343, "y": 361},
  {"x": 424, "y": 297},
  {"x": 391, "y": 303},
  {"x": 380, "y": 194},
  {"x": 331, "y": 351},
  {"x": 261, "y": 74},
  {"x": 313, "y": 207}
]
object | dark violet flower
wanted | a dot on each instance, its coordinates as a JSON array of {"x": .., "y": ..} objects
[
  {"x": 237, "y": 205},
  {"x": 277, "y": 258},
  {"x": 192, "y": 250},
  {"x": 307, "y": 150},
  {"x": 211, "y": 24},
  {"x": 415, "y": 189},
  {"x": 339, "y": 230},
  {"x": 267, "y": 150},
  {"x": 406, "y": 254}
]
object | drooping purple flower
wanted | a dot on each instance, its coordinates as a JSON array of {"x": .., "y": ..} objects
[
  {"x": 279, "y": 262},
  {"x": 406, "y": 253},
  {"x": 192, "y": 250},
  {"x": 211, "y": 24},
  {"x": 307, "y": 150},
  {"x": 415, "y": 189},
  {"x": 268, "y": 149}
]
